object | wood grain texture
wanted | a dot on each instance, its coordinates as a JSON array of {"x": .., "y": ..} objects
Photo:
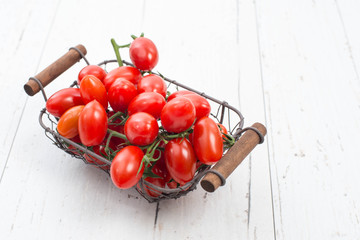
[{"x": 293, "y": 66}]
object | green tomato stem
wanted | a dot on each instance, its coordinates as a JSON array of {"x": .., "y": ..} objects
[{"x": 117, "y": 53}]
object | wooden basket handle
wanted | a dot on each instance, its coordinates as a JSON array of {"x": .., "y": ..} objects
[
  {"x": 50, "y": 73},
  {"x": 232, "y": 158}
]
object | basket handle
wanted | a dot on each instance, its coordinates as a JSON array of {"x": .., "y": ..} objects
[
  {"x": 236, "y": 154},
  {"x": 50, "y": 73}
]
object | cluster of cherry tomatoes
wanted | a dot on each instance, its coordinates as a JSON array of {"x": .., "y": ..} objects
[{"x": 128, "y": 116}]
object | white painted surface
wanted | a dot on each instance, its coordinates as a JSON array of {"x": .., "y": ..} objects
[{"x": 292, "y": 66}]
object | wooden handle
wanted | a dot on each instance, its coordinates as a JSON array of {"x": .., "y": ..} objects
[
  {"x": 50, "y": 73},
  {"x": 232, "y": 158}
]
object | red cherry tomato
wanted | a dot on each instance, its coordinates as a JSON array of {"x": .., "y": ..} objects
[
  {"x": 143, "y": 54},
  {"x": 223, "y": 130},
  {"x": 129, "y": 73},
  {"x": 63, "y": 100},
  {"x": 93, "y": 123},
  {"x": 207, "y": 141},
  {"x": 120, "y": 94},
  {"x": 141, "y": 129},
  {"x": 115, "y": 126},
  {"x": 178, "y": 94},
  {"x": 201, "y": 105},
  {"x": 149, "y": 102},
  {"x": 94, "y": 70},
  {"x": 180, "y": 160},
  {"x": 125, "y": 165},
  {"x": 160, "y": 182},
  {"x": 68, "y": 123},
  {"x": 99, "y": 150},
  {"x": 152, "y": 83},
  {"x": 91, "y": 88},
  {"x": 160, "y": 167},
  {"x": 178, "y": 115},
  {"x": 172, "y": 184}
]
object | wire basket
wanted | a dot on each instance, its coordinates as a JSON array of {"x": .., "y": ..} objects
[{"x": 222, "y": 112}]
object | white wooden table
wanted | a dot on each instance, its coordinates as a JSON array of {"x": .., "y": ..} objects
[{"x": 292, "y": 65}]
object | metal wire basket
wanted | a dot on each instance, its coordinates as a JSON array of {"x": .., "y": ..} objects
[{"x": 222, "y": 112}]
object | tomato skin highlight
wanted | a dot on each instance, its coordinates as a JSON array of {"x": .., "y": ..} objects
[
  {"x": 178, "y": 115},
  {"x": 63, "y": 100},
  {"x": 143, "y": 54},
  {"x": 91, "y": 88},
  {"x": 207, "y": 141},
  {"x": 129, "y": 73},
  {"x": 120, "y": 94},
  {"x": 125, "y": 165},
  {"x": 152, "y": 83},
  {"x": 141, "y": 129},
  {"x": 180, "y": 160},
  {"x": 149, "y": 102},
  {"x": 93, "y": 124},
  {"x": 94, "y": 70},
  {"x": 68, "y": 123}
]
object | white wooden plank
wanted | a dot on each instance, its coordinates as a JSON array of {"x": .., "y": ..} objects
[
  {"x": 260, "y": 222},
  {"x": 20, "y": 52},
  {"x": 313, "y": 114}
]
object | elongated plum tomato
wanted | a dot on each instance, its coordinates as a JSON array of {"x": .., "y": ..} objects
[
  {"x": 68, "y": 123},
  {"x": 91, "y": 88},
  {"x": 125, "y": 165},
  {"x": 178, "y": 115},
  {"x": 180, "y": 160},
  {"x": 93, "y": 124},
  {"x": 129, "y": 73},
  {"x": 201, "y": 105},
  {"x": 120, "y": 94},
  {"x": 94, "y": 70},
  {"x": 141, "y": 129},
  {"x": 152, "y": 83},
  {"x": 178, "y": 94},
  {"x": 62, "y": 100},
  {"x": 143, "y": 54},
  {"x": 207, "y": 141},
  {"x": 149, "y": 102}
]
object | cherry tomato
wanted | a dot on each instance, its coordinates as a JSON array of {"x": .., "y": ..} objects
[
  {"x": 115, "y": 126},
  {"x": 94, "y": 70},
  {"x": 91, "y": 88},
  {"x": 178, "y": 94},
  {"x": 129, "y": 73},
  {"x": 125, "y": 165},
  {"x": 222, "y": 129},
  {"x": 141, "y": 129},
  {"x": 207, "y": 141},
  {"x": 68, "y": 123},
  {"x": 62, "y": 100},
  {"x": 172, "y": 184},
  {"x": 160, "y": 182},
  {"x": 99, "y": 150},
  {"x": 93, "y": 123},
  {"x": 201, "y": 105},
  {"x": 120, "y": 94},
  {"x": 143, "y": 54},
  {"x": 152, "y": 83},
  {"x": 149, "y": 102},
  {"x": 178, "y": 115},
  {"x": 180, "y": 160},
  {"x": 160, "y": 167}
]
